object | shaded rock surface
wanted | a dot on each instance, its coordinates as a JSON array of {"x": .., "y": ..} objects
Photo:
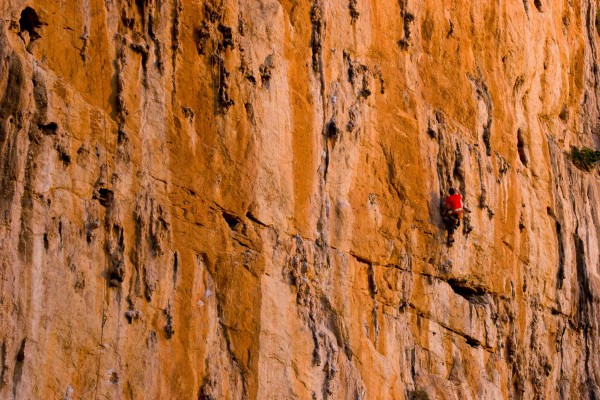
[{"x": 240, "y": 199}]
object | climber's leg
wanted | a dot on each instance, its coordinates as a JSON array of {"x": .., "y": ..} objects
[{"x": 450, "y": 227}]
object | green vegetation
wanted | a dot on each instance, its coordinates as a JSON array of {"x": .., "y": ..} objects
[{"x": 585, "y": 158}]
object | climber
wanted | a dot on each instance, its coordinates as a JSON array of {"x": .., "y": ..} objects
[{"x": 452, "y": 213}]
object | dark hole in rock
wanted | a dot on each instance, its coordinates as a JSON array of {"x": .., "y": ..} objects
[
  {"x": 127, "y": 22},
  {"x": 521, "y": 148},
  {"x": 116, "y": 276},
  {"x": 46, "y": 243},
  {"x": 332, "y": 130},
  {"x": 18, "y": 367},
  {"x": 29, "y": 22},
  {"x": 353, "y": 7},
  {"x": 169, "y": 331},
  {"x": 251, "y": 79},
  {"x": 471, "y": 294},
  {"x": 21, "y": 354},
  {"x": 175, "y": 267},
  {"x": 49, "y": 128},
  {"x": 140, "y": 6},
  {"x": 431, "y": 132},
  {"x": 233, "y": 221},
  {"x": 132, "y": 315},
  {"x": 64, "y": 157},
  {"x": 538, "y": 5},
  {"x": 418, "y": 394},
  {"x": 372, "y": 284},
  {"x": 586, "y": 296},
  {"x": 106, "y": 197},
  {"x": 521, "y": 223},
  {"x": 561, "y": 255},
  {"x": 471, "y": 341},
  {"x": 564, "y": 112},
  {"x": 227, "y": 36}
]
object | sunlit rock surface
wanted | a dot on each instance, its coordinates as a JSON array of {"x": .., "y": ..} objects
[{"x": 211, "y": 199}]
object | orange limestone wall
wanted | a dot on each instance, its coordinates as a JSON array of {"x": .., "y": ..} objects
[{"x": 240, "y": 199}]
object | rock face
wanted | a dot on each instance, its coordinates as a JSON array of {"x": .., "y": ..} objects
[{"x": 210, "y": 199}]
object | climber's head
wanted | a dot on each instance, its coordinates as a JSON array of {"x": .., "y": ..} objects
[{"x": 452, "y": 191}]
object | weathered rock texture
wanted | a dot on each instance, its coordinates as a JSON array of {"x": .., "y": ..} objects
[{"x": 239, "y": 199}]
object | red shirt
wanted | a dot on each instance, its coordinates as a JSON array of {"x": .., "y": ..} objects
[{"x": 454, "y": 202}]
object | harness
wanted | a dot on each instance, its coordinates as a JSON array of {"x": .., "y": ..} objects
[{"x": 459, "y": 212}]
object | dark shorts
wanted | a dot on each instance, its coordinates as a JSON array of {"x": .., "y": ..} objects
[{"x": 451, "y": 222}]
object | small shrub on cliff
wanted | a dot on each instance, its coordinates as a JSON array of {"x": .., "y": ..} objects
[{"x": 585, "y": 158}]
